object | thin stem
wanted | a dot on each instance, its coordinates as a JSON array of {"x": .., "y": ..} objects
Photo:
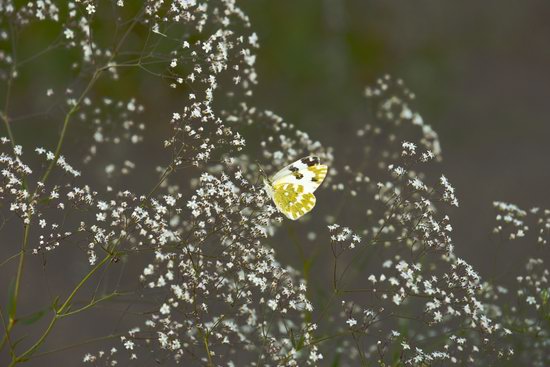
[
  {"x": 5, "y": 329},
  {"x": 75, "y": 345},
  {"x": 207, "y": 348},
  {"x": 91, "y": 304},
  {"x": 20, "y": 267},
  {"x": 51, "y": 47},
  {"x": 359, "y": 350},
  {"x": 66, "y": 124},
  {"x": 4, "y": 113},
  {"x": 375, "y": 238},
  {"x": 165, "y": 175},
  {"x": 59, "y": 313},
  {"x": 167, "y": 172},
  {"x": 9, "y": 259}
]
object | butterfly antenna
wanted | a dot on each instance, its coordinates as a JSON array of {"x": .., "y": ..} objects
[{"x": 262, "y": 172}]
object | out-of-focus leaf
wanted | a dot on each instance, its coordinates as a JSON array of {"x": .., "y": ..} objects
[
  {"x": 32, "y": 318},
  {"x": 544, "y": 296},
  {"x": 336, "y": 361},
  {"x": 54, "y": 303},
  {"x": 301, "y": 343},
  {"x": 292, "y": 340}
]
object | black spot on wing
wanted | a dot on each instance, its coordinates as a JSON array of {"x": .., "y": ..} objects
[
  {"x": 298, "y": 175},
  {"x": 293, "y": 169},
  {"x": 311, "y": 161},
  {"x": 314, "y": 179}
]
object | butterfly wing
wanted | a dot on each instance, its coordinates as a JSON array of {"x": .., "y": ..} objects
[
  {"x": 293, "y": 200},
  {"x": 308, "y": 172},
  {"x": 293, "y": 186}
]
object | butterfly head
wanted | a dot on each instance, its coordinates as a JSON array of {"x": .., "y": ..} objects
[
  {"x": 265, "y": 178},
  {"x": 263, "y": 175}
]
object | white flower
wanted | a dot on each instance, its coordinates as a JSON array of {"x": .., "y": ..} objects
[
  {"x": 170, "y": 201},
  {"x": 128, "y": 344},
  {"x": 90, "y": 9},
  {"x": 69, "y": 34}
]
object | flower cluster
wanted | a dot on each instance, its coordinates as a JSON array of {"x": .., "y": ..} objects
[
  {"x": 513, "y": 223},
  {"x": 524, "y": 311},
  {"x": 221, "y": 285},
  {"x": 13, "y": 190},
  {"x": 218, "y": 282},
  {"x": 344, "y": 236},
  {"x": 417, "y": 283},
  {"x": 392, "y": 107},
  {"x": 511, "y": 220}
]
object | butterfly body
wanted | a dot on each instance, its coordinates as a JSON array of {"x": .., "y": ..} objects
[{"x": 291, "y": 189}]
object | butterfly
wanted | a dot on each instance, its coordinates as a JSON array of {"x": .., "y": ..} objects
[{"x": 291, "y": 189}]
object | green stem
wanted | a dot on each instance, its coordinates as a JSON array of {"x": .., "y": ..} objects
[
  {"x": 68, "y": 116},
  {"x": 90, "y": 273},
  {"x": 207, "y": 348},
  {"x": 13, "y": 312},
  {"x": 5, "y": 329},
  {"x": 91, "y": 304},
  {"x": 74, "y": 345},
  {"x": 10, "y": 259},
  {"x": 58, "y": 314},
  {"x": 4, "y": 113}
]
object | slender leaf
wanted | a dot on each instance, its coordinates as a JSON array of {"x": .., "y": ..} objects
[
  {"x": 32, "y": 318},
  {"x": 336, "y": 360},
  {"x": 19, "y": 340}
]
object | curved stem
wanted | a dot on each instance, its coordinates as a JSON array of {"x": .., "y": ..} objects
[
  {"x": 6, "y": 336},
  {"x": 74, "y": 345},
  {"x": 4, "y": 113},
  {"x": 66, "y": 121},
  {"x": 207, "y": 349},
  {"x": 10, "y": 259},
  {"x": 91, "y": 304},
  {"x": 13, "y": 312},
  {"x": 59, "y": 314}
]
